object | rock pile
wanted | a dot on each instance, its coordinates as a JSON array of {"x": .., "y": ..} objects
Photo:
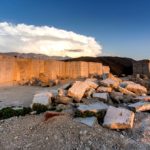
[{"x": 111, "y": 100}]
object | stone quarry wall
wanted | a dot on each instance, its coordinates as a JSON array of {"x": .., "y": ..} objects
[
  {"x": 14, "y": 70},
  {"x": 141, "y": 67}
]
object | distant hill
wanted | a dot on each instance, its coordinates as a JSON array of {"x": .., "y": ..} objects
[
  {"x": 33, "y": 55},
  {"x": 118, "y": 65}
]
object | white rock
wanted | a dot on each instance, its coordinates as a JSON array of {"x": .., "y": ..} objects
[
  {"x": 118, "y": 118},
  {"x": 77, "y": 90},
  {"x": 43, "y": 98}
]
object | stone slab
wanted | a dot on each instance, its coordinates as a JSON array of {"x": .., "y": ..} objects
[{"x": 118, "y": 118}]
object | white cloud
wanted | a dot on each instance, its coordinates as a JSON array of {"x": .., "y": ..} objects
[{"x": 46, "y": 40}]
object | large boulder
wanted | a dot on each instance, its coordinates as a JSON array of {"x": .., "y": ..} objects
[
  {"x": 43, "y": 98},
  {"x": 118, "y": 118},
  {"x": 78, "y": 90}
]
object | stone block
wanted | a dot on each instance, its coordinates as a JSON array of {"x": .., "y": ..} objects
[
  {"x": 118, "y": 118},
  {"x": 140, "y": 106},
  {"x": 78, "y": 90}
]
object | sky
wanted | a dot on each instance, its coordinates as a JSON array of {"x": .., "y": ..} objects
[{"x": 76, "y": 27}]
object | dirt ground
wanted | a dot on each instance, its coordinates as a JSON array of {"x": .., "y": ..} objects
[
  {"x": 63, "y": 132},
  {"x": 19, "y": 95}
]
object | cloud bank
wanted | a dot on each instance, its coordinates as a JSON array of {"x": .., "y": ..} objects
[{"x": 51, "y": 41}]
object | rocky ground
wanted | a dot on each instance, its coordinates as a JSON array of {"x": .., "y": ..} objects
[{"x": 65, "y": 131}]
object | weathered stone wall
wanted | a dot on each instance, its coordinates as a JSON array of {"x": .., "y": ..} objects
[
  {"x": 141, "y": 67},
  {"x": 14, "y": 70},
  {"x": 7, "y": 70}
]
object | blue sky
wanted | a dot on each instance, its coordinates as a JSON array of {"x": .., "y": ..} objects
[{"x": 121, "y": 26}]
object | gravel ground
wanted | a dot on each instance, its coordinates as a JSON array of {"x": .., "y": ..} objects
[{"x": 63, "y": 133}]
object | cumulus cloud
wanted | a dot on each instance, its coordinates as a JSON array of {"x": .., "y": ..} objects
[{"x": 46, "y": 40}]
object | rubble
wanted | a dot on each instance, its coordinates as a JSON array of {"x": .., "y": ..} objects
[
  {"x": 118, "y": 118},
  {"x": 140, "y": 106}
]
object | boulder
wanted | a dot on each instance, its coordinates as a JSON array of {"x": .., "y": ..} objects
[
  {"x": 43, "y": 98},
  {"x": 63, "y": 99},
  {"x": 109, "y": 83},
  {"x": 136, "y": 88},
  {"x": 78, "y": 90},
  {"x": 125, "y": 91},
  {"x": 121, "y": 98},
  {"x": 95, "y": 107},
  {"x": 103, "y": 89},
  {"x": 102, "y": 96},
  {"x": 140, "y": 106},
  {"x": 118, "y": 118}
]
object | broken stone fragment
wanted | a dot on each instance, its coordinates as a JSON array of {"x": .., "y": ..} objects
[
  {"x": 95, "y": 107},
  {"x": 89, "y": 121},
  {"x": 44, "y": 79},
  {"x": 116, "y": 96},
  {"x": 50, "y": 114},
  {"x": 140, "y": 106},
  {"x": 125, "y": 91},
  {"x": 142, "y": 98},
  {"x": 43, "y": 98},
  {"x": 136, "y": 88},
  {"x": 61, "y": 92},
  {"x": 109, "y": 83},
  {"x": 89, "y": 93},
  {"x": 77, "y": 90},
  {"x": 63, "y": 99},
  {"x": 102, "y": 96},
  {"x": 103, "y": 89},
  {"x": 118, "y": 118},
  {"x": 91, "y": 84}
]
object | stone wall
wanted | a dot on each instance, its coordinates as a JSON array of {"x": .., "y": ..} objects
[
  {"x": 141, "y": 67},
  {"x": 14, "y": 70}
]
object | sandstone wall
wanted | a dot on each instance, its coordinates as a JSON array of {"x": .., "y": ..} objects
[{"x": 14, "y": 70}]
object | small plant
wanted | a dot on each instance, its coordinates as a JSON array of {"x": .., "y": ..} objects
[
  {"x": 11, "y": 112},
  {"x": 39, "y": 108}
]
